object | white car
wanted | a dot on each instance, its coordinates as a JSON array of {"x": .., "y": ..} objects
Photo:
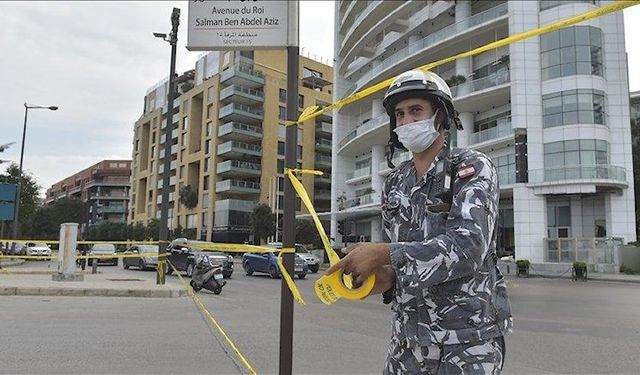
[
  {"x": 312, "y": 261},
  {"x": 41, "y": 249}
]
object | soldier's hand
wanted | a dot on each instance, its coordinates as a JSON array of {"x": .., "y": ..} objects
[
  {"x": 362, "y": 260},
  {"x": 385, "y": 279}
]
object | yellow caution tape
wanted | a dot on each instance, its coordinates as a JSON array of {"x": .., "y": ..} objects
[
  {"x": 131, "y": 242},
  {"x": 312, "y": 112},
  {"x": 329, "y": 287},
  {"x": 213, "y": 320},
  {"x": 285, "y": 274}
]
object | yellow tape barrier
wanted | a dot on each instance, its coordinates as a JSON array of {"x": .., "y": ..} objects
[
  {"x": 132, "y": 242},
  {"x": 213, "y": 320},
  {"x": 312, "y": 112},
  {"x": 328, "y": 288}
]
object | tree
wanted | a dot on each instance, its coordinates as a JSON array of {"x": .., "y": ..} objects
[
  {"x": 4, "y": 147},
  {"x": 29, "y": 200},
  {"x": 306, "y": 233},
  {"x": 188, "y": 196},
  {"x": 153, "y": 230},
  {"x": 263, "y": 222},
  {"x": 47, "y": 219},
  {"x": 137, "y": 231}
]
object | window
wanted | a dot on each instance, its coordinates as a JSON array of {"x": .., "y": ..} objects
[
  {"x": 185, "y": 123},
  {"x": 571, "y": 51},
  {"x": 209, "y": 127},
  {"x": 207, "y": 164},
  {"x": 506, "y": 169},
  {"x": 280, "y": 166},
  {"x": 280, "y": 148},
  {"x": 207, "y": 146},
  {"x": 247, "y": 54},
  {"x": 299, "y": 152},
  {"x": 211, "y": 94},
  {"x": 282, "y": 113},
  {"x": 210, "y": 111},
  {"x": 490, "y": 122},
  {"x": 205, "y": 201},
  {"x": 548, "y": 4},
  {"x": 573, "y": 107},
  {"x": 205, "y": 183},
  {"x": 153, "y": 154},
  {"x": 300, "y": 101},
  {"x": 226, "y": 58},
  {"x": 577, "y": 152},
  {"x": 283, "y": 96}
]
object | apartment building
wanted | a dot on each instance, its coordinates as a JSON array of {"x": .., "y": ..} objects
[
  {"x": 227, "y": 142},
  {"x": 103, "y": 187},
  {"x": 552, "y": 112}
]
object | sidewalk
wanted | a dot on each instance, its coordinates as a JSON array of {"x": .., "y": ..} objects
[
  {"x": 566, "y": 274},
  {"x": 38, "y": 282}
]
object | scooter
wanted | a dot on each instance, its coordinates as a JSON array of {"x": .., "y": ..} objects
[{"x": 208, "y": 276}]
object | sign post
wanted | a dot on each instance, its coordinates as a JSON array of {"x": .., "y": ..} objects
[{"x": 253, "y": 25}]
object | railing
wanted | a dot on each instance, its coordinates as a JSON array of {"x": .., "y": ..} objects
[
  {"x": 240, "y": 68},
  {"x": 361, "y": 172},
  {"x": 227, "y": 184},
  {"x": 592, "y": 250},
  {"x": 364, "y": 127},
  {"x": 323, "y": 159},
  {"x": 431, "y": 39},
  {"x": 506, "y": 178},
  {"x": 324, "y": 127},
  {"x": 361, "y": 200},
  {"x": 578, "y": 172},
  {"x": 238, "y": 164},
  {"x": 227, "y": 109},
  {"x": 495, "y": 79},
  {"x": 358, "y": 19},
  {"x": 236, "y": 88},
  {"x": 323, "y": 142},
  {"x": 502, "y": 129},
  {"x": 230, "y": 126},
  {"x": 235, "y": 205},
  {"x": 397, "y": 159},
  {"x": 230, "y": 145},
  {"x": 322, "y": 194}
]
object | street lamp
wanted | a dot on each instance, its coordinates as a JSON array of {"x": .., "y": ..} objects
[
  {"x": 16, "y": 221},
  {"x": 163, "y": 236}
]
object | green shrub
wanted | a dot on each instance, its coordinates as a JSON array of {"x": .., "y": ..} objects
[
  {"x": 629, "y": 271},
  {"x": 582, "y": 265},
  {"x": 523, "y": 263}
]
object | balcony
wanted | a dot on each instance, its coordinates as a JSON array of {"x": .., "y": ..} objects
[
  {"x": 112, "y": 209},
  {"x": 359, "y": 175},
  {"x": 386, "y": 63},
  {"x": 240, "y": 74},
  {"x": 323, "y": 145},
  {"x": 364, "y": 21},
  {"x": 325, "y": 179},
  {"x": 502, "y": 130},
  {"x": 365, "y": 127},
  {"x": 235, "y": 149},
  {"x": 323, "y": 160},
  {"x": 236, "y": 168},
  {"x": 324, "y": 128},
  {"x": 241, "y": 113},
  {"x": 498, "y": 78},
  {"x": 578, "y": 179},
  {"x": 242, "y": 95},
  {"x": 398, "y": 158},
  {"x": 237, "y": 187},
  {"x": 172, "y": 166},
  {"x": 234, "y": 205},
  {"x": 238, "y": 131},
  {"x": 362, "y": 200}
]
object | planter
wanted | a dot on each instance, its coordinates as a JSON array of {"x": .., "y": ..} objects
[
  {"x": 523, "y": 267},
  {"x": 579, "y": 271}
]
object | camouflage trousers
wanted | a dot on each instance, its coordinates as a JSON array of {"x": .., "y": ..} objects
[{"x": 483, "y": 357}]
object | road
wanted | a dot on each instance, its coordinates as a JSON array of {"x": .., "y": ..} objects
[{"x": 561, "y": 327}]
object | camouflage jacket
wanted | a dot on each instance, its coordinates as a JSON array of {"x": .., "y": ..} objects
[{"x": 448, "y": 288}]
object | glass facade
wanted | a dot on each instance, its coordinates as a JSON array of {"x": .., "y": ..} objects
[
  {"x": 548, "y": 4},
  {"x": 571, "y": 51},
  {"x": 573, "y": 107},
  {"x": 576, "y": 152}
]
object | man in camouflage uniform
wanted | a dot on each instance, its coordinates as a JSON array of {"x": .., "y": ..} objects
[{"x": 439, "y": 269}]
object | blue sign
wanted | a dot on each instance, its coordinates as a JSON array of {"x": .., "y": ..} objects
[
  {"x": 7, "y": 209},
  {"x": 8, "y": 192}
]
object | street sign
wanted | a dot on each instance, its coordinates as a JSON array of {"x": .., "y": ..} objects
[
  {"x": 242, "y": 24},
  {"x": 8, "y": 192},
  {"x": 7, "y": 209}
]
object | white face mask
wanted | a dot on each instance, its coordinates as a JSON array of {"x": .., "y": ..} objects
[{"x": 418, "y": 136}]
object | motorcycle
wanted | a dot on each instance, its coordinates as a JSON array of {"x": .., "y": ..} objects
[{"x": 207, "y": 275}]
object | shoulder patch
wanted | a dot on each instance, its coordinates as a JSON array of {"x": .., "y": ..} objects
[{"x": 465, "y": 171}]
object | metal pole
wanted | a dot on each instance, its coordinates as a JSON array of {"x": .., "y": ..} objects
[
  {"x": 164, "y": 208},
  {"x": 289, "y": 217},
  {"x": 16, "y": 221}
]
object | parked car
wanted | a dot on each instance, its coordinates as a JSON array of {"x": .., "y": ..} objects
[
  {"x": 268, "y": 263},
  {"x": 143, "y": 263},
  {"x": 105, "y": 252},
  {"x": 183, "y": 254},
  {"x": 41, "y": 249},
  {"x": 312, "y": 261},
  {"x": 182, "y": 258}
]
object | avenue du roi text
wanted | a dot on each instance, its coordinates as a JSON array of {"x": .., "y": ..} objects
[{"x": 244, "y": 21}]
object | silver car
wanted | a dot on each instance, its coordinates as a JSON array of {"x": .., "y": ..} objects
[
  {"x": 312, "y": 261},
  {"x": 149, "y": 260}
]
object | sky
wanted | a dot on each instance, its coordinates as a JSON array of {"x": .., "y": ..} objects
[{"x": 95, "y": 60}]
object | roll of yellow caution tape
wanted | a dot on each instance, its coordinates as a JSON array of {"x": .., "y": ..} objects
[{"x": 330, "y": 288}]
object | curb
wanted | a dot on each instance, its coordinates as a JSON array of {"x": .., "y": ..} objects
[
  {"x": 606, "y": 279},
  {"x": 92, "y": 292},
  {"x": 12, "y": 263}
]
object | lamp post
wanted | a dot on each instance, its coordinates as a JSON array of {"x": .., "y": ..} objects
[
  {"x": 163, "y": 236},
  {"x": 16, "y": 221}
]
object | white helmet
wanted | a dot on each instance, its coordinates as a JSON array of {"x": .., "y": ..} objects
[{"x": 419, "y": 84}]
